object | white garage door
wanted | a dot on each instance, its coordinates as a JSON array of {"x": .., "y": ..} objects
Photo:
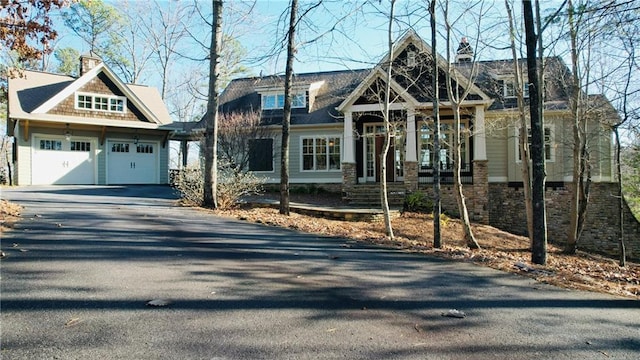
[
  {"x": 59, "y": 161},
  {"x": 129, "y": 163}
]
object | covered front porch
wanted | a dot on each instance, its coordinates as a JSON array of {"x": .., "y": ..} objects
[{"x": 410, "y": 160}]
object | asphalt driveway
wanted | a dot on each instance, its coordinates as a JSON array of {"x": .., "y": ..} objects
[{"x": 83, "y": 262}]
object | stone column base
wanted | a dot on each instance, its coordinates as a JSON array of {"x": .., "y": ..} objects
[{"x": 411, "y": 175}]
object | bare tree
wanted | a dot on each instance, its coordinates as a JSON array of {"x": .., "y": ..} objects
[
  {"x": 579, "y": 195},
  {"x": 384, "y": 199},
  {"x": 236, "y": 132},
  {"x": 435, "y": 87},
  {"x": 539, "y": 242},
  {"x": 211, "y": 116},
  {"x": 622, "y": 34},
  {"x": 165, "y": 29},
  {"x": 523, "y": 134},
  {"x": 457, "y": 95},
  {"x": 286, "y": 117}
]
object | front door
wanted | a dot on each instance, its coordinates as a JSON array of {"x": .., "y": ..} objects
[{"x": 373, "y": 148}]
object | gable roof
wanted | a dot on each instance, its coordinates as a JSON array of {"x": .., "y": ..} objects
[
  {"x": 35, "y": 93},
  {"x": 410, "y": 37},
  {"x": 490, "y": 72}
]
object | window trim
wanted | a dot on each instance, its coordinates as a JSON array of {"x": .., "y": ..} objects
[
  {"x": 327, "y": 138},
  {"x": 445, "y": 134},
  {"x": 93, "y": 103},
  {"x": 551, "y": 144},
  {"x": 411, "y": 58},
  {"x": 279, "y": 104},
  {"x": 510, "y": 82}
]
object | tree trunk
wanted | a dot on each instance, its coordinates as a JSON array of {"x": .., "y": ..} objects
[
  {"x": 469, "y": 238},
  {"x": 211, "y": 132},
  {"x": 622, "y": 255},
  {"x": 539, "y": 243},
  {"x": 572, "y": 236},
  {"x": 387, "y": 134},
  {"x": 456, "y": 98},
  {"x": 523, "y": 134},
  {"x": 437, "y": 203},
  {"x": 286, "y": 118}
]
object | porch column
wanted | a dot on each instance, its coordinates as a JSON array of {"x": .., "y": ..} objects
[
  {"x": 480, "y": 195},
  {"x": 184, "y": 148},
  {"x": 411, "y": 153},
  {"x": 348, "y": 153},
  {"x": 479, "y": 135},
  {"x": 349, "y": 171}
]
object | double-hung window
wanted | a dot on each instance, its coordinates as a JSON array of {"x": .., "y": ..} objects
[
  {"x": 85, "y": 102},
  {"x": 100, "y": 103},
  {"x": 446, "y": 156},
  {"x": 321, "y": 153},
  {"x": 549, "y": 149},
  {"x": 509, "y": 88}
]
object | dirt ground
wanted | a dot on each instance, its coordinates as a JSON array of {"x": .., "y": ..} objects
[
  {"x": 414, "y": 233},
  {"x": 500, "y": 250}
]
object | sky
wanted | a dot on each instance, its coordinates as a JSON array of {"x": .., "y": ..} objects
[{"x": 358, "y": 39}]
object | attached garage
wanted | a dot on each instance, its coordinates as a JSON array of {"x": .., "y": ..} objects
[
  {"x": 132, "y": 163},
  {"x": 60, "y": 161}
]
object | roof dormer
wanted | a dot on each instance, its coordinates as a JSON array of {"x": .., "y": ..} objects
[{"x": 303, "y": 96}]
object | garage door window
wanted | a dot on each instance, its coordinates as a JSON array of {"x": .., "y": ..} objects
[
  {"x": 80, "y": 146},
  {"x": 51, "y": 145},
  {"x": 144, "y": 149},
  {"x": 120, "y": 148}
]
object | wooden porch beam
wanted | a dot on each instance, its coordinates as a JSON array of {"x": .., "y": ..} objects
[
  {"x": 25, "y": 133},
  {"x": 165, "y": 139},
  {"x": 103, "y": 134}
]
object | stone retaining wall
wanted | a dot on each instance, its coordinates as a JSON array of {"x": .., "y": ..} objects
[{"x": 600, "y": 234}]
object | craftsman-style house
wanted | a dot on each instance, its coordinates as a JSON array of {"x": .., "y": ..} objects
[
  {"x": 336, "y": 137},
  {"x": 90, "y": 129}
]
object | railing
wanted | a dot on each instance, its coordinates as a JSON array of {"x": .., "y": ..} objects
[{"x": 425, "y": 176}]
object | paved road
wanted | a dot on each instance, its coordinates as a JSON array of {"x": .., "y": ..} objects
[{"x": 88, "y": 259}]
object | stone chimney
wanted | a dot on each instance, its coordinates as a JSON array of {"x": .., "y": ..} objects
[
  {"x": 465, "y": 52},
  {"x": 88, "y": 61}
]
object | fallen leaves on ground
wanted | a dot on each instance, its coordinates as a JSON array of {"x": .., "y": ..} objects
[
  {"x": 9, "y": 214},
  {"x": 500, "y": 250}
]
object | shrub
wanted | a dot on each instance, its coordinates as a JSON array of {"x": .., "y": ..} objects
[
  {"x": 418, "y": 201},
  {"x": 233, "y": 184},
  {"x": 311, "y": 189},
  {"x": 4, "y": 179}
]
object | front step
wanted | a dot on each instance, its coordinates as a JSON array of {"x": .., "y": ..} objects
[{"x": 369, "y": 195}]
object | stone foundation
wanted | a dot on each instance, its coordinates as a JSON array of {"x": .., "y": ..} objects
[
  {"x": 349, "y": 174},
  {"x": 600, "y": 234},
  {"x": 411, "y": 175},
  {"x": 478, "y": 209}
]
